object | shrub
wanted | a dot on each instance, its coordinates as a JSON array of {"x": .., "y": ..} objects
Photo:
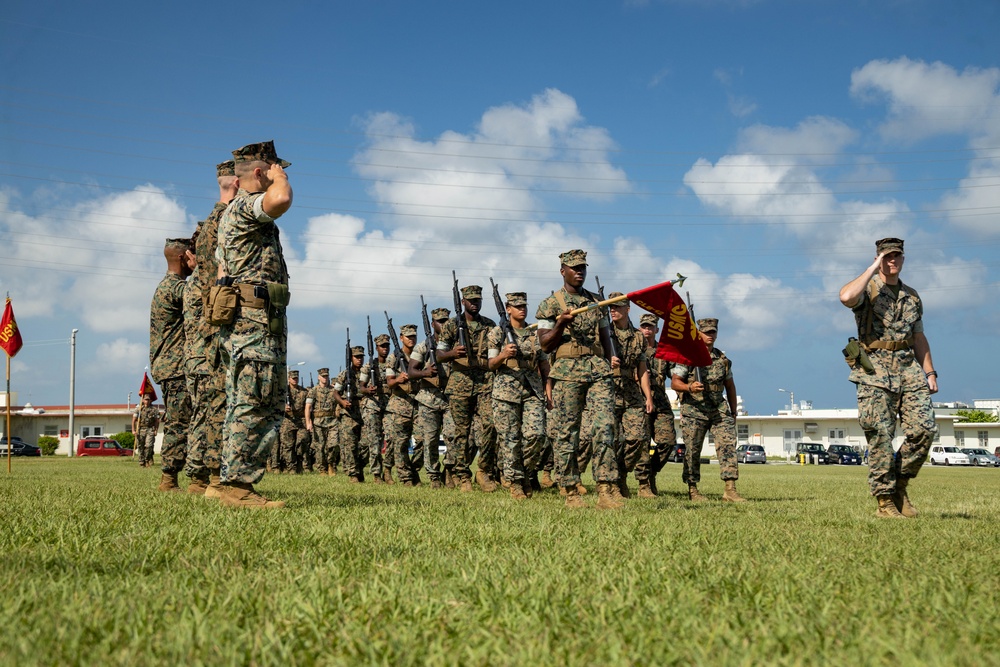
[
  {"x": 125, "y": 439},
  {"x": 48, "y": 444}
]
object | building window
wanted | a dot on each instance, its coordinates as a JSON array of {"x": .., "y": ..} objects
[
  {"x": 88, "y": 431},
  {"x": 960, "y": 438},
  {"x": 836, "y": 435},
  {"x": 743, "y": 433},
  {"x": 51, "y": 430},
  {"x": 984, "y": 439}
]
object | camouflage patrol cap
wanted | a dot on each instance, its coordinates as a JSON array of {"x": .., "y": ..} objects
[
  {"x": 620, "y": 304},
  {"x": 708, "y": 324},
  {"x": 888, "y": 245},
  {"x": 262, "y": 152},
  {"x": 649, "y": 318},
  {"x": 408, "y": 330},
  {"x": 472, "y": 292},
  {"x": 173, "y": 243},
  {"x": 293, "y": 375},
  {"x": 382, "y": 339},
  {"x": 517, "y": 298},
  {"x": 440, "y": 313},
  {"x": 324, "y": 372},
  {"x": 573, "y": 258},
  {"x": 227, "y": 168},
  {"x": 357, "y": 351}
]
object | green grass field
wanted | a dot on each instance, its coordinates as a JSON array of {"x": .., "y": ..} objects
[{"x": 99, "y": 568}]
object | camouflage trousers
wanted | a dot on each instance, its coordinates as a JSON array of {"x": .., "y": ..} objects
[
  {"x": 372, "y": 435},
  {"x": 255, "y": 403},
  {"x": 632, "y": 442},
  {"x": 877, "y": 411},
  {"x": 585, "y": 450},
  {"x": 208, "y": 413},
  {"x": 325, "y": 445},
  {"x": 145, "y": 441},
  {"x": 520, "y": 435},
  {"x": 661, "y": 424},
  {"x": 350, "y": 445},
  {"x": 467, "y": 411},
  {"x": 294, "y": 444},
  {"x": 569, "y": 398},
  {"x": 431, "y": 423},
  {"x": 176, "y": 420},
  {"x": 399, "y": 430},
  {"x": 723, "y": 428}
]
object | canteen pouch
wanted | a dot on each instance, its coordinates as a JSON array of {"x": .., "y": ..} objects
[
  {"x": 277, "y": 300},
  {"x": 222, "y": 302},
  {"x": 855, "y": 355}
]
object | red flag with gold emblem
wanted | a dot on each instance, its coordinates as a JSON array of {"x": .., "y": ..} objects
[
  {"x": 679, "y": 341},
  {"x": 10, "y": 336},
  {"x": 146, "y": 387}
]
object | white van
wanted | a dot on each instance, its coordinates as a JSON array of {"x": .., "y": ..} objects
[{"x": 949, "y": 456}]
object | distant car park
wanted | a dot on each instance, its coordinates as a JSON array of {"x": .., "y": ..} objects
[
  {"x": 843, "y": 455},
  {"x": 813, "y": 451},
  {"x": 980, "y": 457},
  {"x": 751, "y": 454},
  {"x": 949, "y": 456},
  {"x": 19, "y": 447}
]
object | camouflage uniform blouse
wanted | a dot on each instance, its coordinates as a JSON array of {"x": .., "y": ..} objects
[
  {"x": 402, "y": 400},
  {"x": 659, "y": 375},
  {"x": 324, "y": 405},
  {"x": 430, "y": 395},
  {"x": 632, "y": 348},
  {"x": 373, "y": 402},
  {"x": 711, "y": 400},
  {"x": 296, "y": 398},
  {"x": 466, "y": 378},
  {"x": 583, "y": 331},
  {"x": 518, "y": 378},
  {"x": 340, "y": 384},
  {"x": 166, "y": 329},
  {"x": 881, "y": 315},
  {"x": 148, "y": 418}
]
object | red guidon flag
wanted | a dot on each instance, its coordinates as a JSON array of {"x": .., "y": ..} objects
[
  {"x": 679, "y": 342},
  {"x": 146, "y": 388},
  {"x": 10, "y": 336}
]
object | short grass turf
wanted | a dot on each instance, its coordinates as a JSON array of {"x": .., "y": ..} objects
[{"x": 99, "y": 568}]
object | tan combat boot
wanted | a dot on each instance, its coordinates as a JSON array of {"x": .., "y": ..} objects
[
  {"x": 607, "y": 499},
  {"x": 646, "y": 490},
  {"x": 198, "y": 486},
  {"x": 573, "y": 499},
  {"x": 466, "y": 484},
  {"x": 486, "y": 485},
  {"x": 517, "y": 491},
  {"x": 214, "y": 489},
  {"x": 239, "y": 494},
  {"x": 449, "y": 479},
  {"x": 547, "y": 481},
  {"x": 168, "y": 482},
  {"x": 730, "y": 495},
  {"x": 504, "y": 482},
  {"x": 886, "y": 508},
  {"x": 622, "y": 485},
  {"x": 694, "y": 494},
  {"x": 901, "y": 500},
  {"x": 581, "y": 489},
  {"x": 387, "y": 476}
]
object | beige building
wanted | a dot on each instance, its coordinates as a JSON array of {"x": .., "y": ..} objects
[{"x": 29, "y": 422}]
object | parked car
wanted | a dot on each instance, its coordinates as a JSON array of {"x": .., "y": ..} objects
[
  {"x": 751, "y": 454},
  {"x": 99, "y": 446},
  {"x": 949, "y": 456},
  {"x": 676, "y": 454},
  {"x": 980, "y": 457},
  {"x": 843, "y": 455},
  {"x": 19, "y": 447},
  {"x": 812, "y": 449}
]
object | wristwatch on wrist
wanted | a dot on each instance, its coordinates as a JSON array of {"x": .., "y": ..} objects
[{"x": 934, "y": 373}]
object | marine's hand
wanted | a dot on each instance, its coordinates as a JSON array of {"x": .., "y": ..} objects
[
  {"x": 932, "y": 384},
  {"x": 616, "y": 362},
  {"x": 565, "y": 318},
  {"x": 277, "y": 173},
  {"x": 509, "y": 351},
  {"x": 696, "y": 387}
]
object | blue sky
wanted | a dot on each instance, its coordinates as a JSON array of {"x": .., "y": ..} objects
[{"x": 759, "y": 148}]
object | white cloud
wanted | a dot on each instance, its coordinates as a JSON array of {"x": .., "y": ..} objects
[
  {"x": 119, "y": 355},
  {"x": 302, "y": 347}
]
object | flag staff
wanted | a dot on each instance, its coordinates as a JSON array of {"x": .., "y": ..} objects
[{"x": 72, "y": 390}]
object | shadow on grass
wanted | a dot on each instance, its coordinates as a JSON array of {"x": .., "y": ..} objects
[
  {"x": 314, "y": 498},
  {"x": 957, "y": 515}
]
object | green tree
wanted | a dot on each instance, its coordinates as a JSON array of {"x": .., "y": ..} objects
[
  {"x": 977, "y": 416},
  {"x": 48, "y": 445}
]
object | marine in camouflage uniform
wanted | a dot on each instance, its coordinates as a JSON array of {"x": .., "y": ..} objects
[
  {"x": 255, "y": 342},
  {"x": 347, "y": 392},
  {"x": 633, "y": 398},
  {"x": 401, "y": 411},
  {"x": 321, "y": 422},
  {"x": 145, "y": 422},
  {"x": 704, "y": 408},
  {"x": 661, "y": 421},
  {"x": 470, "y": 387},
  {"x": 166, "y": 358},
  {"x": 373, "y": 403},
  {"x": 206, "y": 378},
  {"x": 889, "y": 316},
  {"x": 295, "y": 439},
  {"x": 579, "y": 349},
  {"x": 519, "y": 401},
  {"x": 432, "y": 404}
]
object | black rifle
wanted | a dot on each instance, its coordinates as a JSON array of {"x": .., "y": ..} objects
[
  {"x": 463, "y": 328},
  {"x": 396, "y": 350},
  {"x": 373, "y": 369},
  {"x": 607, "y": 313},
  {"x": 431, "y": 341},
  {"x": 505, "y": 326},
  {"x": 349, "y": 376}
]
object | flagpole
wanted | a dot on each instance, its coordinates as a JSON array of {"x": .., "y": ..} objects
[{"x": 10, "y": 442}]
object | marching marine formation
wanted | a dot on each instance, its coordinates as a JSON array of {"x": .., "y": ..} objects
[
  {"x": 895, "y": 377},
  {"x": 294, "y": 436},
  {"x": 321, "y": 422}
]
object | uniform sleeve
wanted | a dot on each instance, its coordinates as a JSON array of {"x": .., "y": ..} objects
[{"x": 681, "y": 371}]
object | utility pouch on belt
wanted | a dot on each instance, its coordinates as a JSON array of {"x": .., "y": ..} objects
[
  {"x": 222, "y": 301},
  {"x": 854, "y": 355},
  {"x": 277, "y": 301}
]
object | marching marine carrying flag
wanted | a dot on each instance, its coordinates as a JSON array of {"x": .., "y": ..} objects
[
  {"x": 10, "y": 336},
  {"x": 679, "y": 341},
  {"x": 146, "y": 388}
]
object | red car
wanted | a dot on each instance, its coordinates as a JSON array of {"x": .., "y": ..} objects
[{"x": 100, "y": 446}]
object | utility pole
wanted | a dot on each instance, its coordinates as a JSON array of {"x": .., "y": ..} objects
[{"x": 72, "y": 391}]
